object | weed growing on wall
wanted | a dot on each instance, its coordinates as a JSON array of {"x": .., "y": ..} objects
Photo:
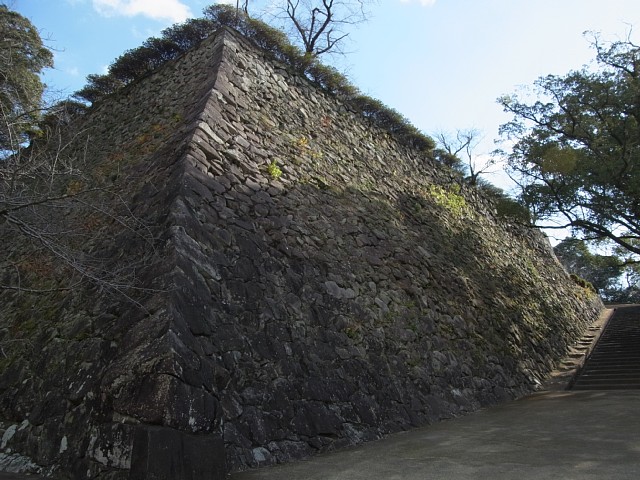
[
  {"x": 304, "y": 147},
  {"x": 302, "y": 143},
  {"x": 274, "y": 170},
  {"x": 587, "y": 286},
  {"x": 449, "y": 198}
]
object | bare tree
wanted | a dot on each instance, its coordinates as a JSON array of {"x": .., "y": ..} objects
[
  {"x": 320, "y": 26},
  {"x": 242, "y": 5},
  {"x": 49, "y": 208},
  {"x": 462, "y": 145},
  {"x": 55, "y": 216}
]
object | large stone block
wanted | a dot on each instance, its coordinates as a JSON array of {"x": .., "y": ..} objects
[{"x": 162, "y": 453}]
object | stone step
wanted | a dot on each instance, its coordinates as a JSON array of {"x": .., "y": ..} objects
[
  {"x": 605, "y": 387},
  {"x": 614, "y": 363}
]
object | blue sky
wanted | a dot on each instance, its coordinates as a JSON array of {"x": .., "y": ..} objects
[{"x": 441, "y": 63}]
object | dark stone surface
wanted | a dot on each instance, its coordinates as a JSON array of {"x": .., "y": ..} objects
[
  {"x": 19, "y": 476},
  {"x": 161, "y": 453}
]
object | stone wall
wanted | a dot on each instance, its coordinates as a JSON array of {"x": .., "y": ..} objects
[
  {"x": 71, "y": 359},
  {"x": 312, "y": 284}
]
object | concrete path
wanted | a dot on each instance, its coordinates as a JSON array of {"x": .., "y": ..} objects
[{"x": 566, "y": 435}]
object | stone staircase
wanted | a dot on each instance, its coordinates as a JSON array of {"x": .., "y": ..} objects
[{"x": 614, "y": 363}]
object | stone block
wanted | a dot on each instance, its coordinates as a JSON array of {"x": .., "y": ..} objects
[{"x": 162, "y": 453}]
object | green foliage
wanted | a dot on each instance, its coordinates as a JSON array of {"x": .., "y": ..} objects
[
  {"x": 581, "y": 282},
  {"x": 225, "y": 15},
  {"x": 153, "y": 53},
  {"x": 189, "y": 34},
  {"x": 452, "y": 161},
  {"x": 330, "y": 79},
  {"x": 577, "y": 147},
  {"x": 601, "y": 271},
  {"x": 392, "y": 121},
  {"x": 449, "y": 198},
  {"x": 175, "y": 40},
  {"x": 274, "y": 170},
  {"x": 22, "y": 57},
  {"x": 98, "y": 86},
  {"x": 272, "y": 41},
  {"x": 559, "y": 160},
  {"x": 510, "y": 209},
  {"x": 506, "y": 207}
]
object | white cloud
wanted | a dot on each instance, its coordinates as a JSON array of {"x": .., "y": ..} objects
[
  {"x": 73, "y": 71},
  {"x": 173, "y": 10},
  {"x": 424, "y": 3}
]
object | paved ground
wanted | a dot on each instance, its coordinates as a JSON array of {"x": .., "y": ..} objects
[{"x": 555, "y": 435}]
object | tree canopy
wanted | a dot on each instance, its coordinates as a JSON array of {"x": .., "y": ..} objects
[
  {"x": 576, "y": 150},
  {"x": 22, "y": 57},
  {"x": 614, "y": 274},
  {"x": 602, "y": 271}
]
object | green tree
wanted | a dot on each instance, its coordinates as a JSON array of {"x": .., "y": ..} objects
[
  {"x": 175, "y": 40},
  {"x": 22, "y": 57},
  {"x": 576, "y": 147},
  {"x": 602, "y": 271}
]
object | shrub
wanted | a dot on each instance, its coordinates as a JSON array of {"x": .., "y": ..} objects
[
  {"x": 449, "y": 198},
  {"x": 330, "y": 80},
  {"x": 189, "y": 34},
  {"x": 392, "y": 121},
  {"x": 581, "y": 282},
  {"x": 506, "y": 207},
  {"x": 274, "y": 170},
  {"x": 511, "y": 209},
  {"x": 175, "y": 40},
  {"x": 98, "y": 86}
]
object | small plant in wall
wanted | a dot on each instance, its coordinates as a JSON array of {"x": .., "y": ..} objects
[
  {"x": 449, "y": 198},
  {"x": 302, "y": 143},
  {"x": 304, "y": 147},
  {"x": 353, "y": 331},
  {"x": 274, "y": 170}
]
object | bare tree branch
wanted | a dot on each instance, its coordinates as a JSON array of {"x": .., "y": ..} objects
[
  {"x": 463, "y": 145},
  {"x": 50, "y": 208},
  {"x": 320, "y": 25}
]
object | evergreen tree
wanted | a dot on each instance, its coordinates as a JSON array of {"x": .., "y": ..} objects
[
  {"x": 576, "y": 151},
  {"x": 22, "y": 57}
]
